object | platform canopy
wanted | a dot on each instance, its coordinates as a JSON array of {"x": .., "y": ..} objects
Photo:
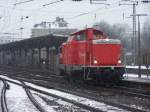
[{"x": 36, "y": 42}]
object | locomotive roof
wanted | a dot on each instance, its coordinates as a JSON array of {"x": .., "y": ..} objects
[{"x": 84, "y": 30}]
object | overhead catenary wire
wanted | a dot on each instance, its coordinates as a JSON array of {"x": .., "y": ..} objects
[
  {"x": 93, "y": 11},
  {"x": 37, "y": 10},
  {"x": 9, "y": 17},
  {"x": 22, "y": 2},
  {"x": 52, "y": 3},
  {"x": 97, "y": 10},
  {"x": 68, "y": 13},
  {"x": 82, "y": 14}
]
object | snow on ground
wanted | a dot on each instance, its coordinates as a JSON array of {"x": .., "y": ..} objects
[
  {"x": 131, "y": 75},
  {"x": 82, "y": 100},
  {"x": 7, "y": 78},
  {"x": 134, "y": 78},
  {"x": 85, "y": 101},
  {"x": 53, "y": 104},
  {"x": 136, "y": 67},
  {"x": 17, "y": 100},
  {"x": 1, "y": 86}
]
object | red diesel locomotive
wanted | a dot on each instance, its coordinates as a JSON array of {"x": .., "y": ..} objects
[{"x": 89, "y": 54}]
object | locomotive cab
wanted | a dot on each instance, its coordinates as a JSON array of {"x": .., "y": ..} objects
[{"x": 90, "y": 54}]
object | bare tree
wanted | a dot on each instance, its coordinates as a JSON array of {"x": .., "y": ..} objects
[
  {"x": 118, "y": 31},
  {"x": 145, "y": 36}
]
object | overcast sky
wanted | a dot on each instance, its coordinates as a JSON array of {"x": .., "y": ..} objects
[{"x": 77, "y": 14}]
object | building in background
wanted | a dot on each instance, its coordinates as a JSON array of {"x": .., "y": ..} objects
[
  {"x": 58, "y": 26},
  {"x": 36, "y": 32},
  {"x": 8, "y": 39}
]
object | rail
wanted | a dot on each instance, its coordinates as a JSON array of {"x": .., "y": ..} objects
[
  {"x": 32, "y": 99},
  {"x": 127, "y": 91},
  {"x": 3, "y": 97},
  {"x": 84, "y": 106},
  {"x": 79, "y": 93}
]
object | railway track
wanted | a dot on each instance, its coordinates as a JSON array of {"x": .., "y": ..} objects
[
  {"x": 78, "y": 104},
  {"x": 120, "y": 89},
  {"x": 3, "y": 97},
  {"x": 29, "y": 94},
  {"x": 133, "y": 91},
  {"x": 87, "y": 93},
  {"x": 32, "y": 99}
]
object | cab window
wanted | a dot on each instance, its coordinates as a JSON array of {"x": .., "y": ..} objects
[
  {"x": 70, "y": 39},
  {"x": 80, "y": 37},
  {"x": 97, "y": 35}
]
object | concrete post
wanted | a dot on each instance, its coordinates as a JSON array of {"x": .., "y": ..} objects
[
  {"x": 32, "y": 52},
  {"x": 39, "y": 51},
  {"x": 47, "y": 57}
]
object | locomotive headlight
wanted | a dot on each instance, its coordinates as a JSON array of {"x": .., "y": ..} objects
[
  {"x": 95, "y": 62},
  {"x": 119, "y": 61},
  {"x": 107, "y": 39}
]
